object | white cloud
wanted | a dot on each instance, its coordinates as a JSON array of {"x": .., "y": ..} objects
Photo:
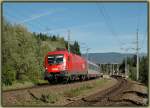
[{"x": 33, "y": 17}]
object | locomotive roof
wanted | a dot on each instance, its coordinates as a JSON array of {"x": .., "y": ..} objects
[
  {"x": 58, "y": 52},
  {"x": 89, "y": 62},
  {"x": 63, "y": 52}
]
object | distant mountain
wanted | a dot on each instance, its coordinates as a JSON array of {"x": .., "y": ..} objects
[{"x": 111, "y": 57}]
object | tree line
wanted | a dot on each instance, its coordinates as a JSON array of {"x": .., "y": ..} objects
[
  {"x": 143, "y": 68},
  {"x": 23, "y": 53}
]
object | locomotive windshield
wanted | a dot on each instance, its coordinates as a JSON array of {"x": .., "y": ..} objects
[{"x": 55, "y": 59}]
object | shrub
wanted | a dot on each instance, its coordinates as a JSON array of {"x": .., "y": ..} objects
[
  {"x": 8, "y": 75},
  {"x": 132, "y": 73},
  {"x": 52, "y": 98}
]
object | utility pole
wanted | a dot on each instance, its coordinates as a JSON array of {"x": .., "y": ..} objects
[
  {"x": 126, "y": 69},
  {"x": 106, "y": 68},
  {"x": 110, "y": 69},
  {"x": 69, "y": 41},
  {"x": 87, "y": 53},
  {"x": 100, "y": 68},
  {"x": 126, "y": 72},
  {"x": 117, "y": 69},
  {"x": 87, "y": 56},
  {"x": 137, "y": 55},
  {"x": 113, "y": 68}
]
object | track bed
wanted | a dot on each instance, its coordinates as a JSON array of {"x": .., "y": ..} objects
[
  {"x": 97, "y": 92},
  {"x": 122, "y": 94}
]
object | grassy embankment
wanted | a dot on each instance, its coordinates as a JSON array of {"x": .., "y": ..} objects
[
  {"x": 23, "y": 55},
  {"x": 21, "y": 85}
]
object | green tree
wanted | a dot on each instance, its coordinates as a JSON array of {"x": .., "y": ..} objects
[
  {"x": 23, "y": 53},
  {"x": 74, "y": 48},
  {"x": 54, "y": 38},
  {"x": 77, "y": 48},
  {"x": 144, "y": 70}
]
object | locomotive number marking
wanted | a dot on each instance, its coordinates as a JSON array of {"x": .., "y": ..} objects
[{"x": 54, "y": 68}]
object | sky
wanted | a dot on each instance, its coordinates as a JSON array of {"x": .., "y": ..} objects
[{"x": 101, "y": 27}]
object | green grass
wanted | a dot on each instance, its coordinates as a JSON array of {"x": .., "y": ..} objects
[
  {"x": 83, "y": 88},
  {"x": 52, "y": 98},
  {"x": 100, "y": 82},
  {"x": 49, "y": 98},
  {"x": 17, "y": 85},
  {"x": 77, "y": 91},
  {"x": 25, "y": 84},
  {"x": 73, "y": 92},
  {"x": 42, "y": 82}
]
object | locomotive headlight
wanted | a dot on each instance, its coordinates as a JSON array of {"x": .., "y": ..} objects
[{"x": 46, "y": 68}]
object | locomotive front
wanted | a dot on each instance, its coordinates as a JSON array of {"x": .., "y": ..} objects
[{"x": 55, "y": 65}]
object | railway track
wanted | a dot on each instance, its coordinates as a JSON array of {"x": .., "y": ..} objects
[
  {"x": 41, "y": 86},
  {"x": 27, "y": 88},
  {"x": 28, "y": 96},
  {"x": 109, "y": 97}
]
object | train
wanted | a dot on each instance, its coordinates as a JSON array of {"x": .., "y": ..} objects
[{"x": 64, "y": 66}]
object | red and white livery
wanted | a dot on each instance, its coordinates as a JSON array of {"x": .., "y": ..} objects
[{"x": 64, "y": 66}]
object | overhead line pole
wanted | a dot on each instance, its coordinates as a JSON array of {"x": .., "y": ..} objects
[
  {"x": 126, "y": 57},
  {"x": 137, "y": 49},
  {"x": 87, "y": 53},
  {"x": 126, "y": 64},
  {"x": 137, "y": 55},
  {"x": 69, "y": 41}
]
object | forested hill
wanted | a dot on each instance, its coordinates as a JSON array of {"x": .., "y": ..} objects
[
  {"x": 110, "y": 57},
  {"x": 23, "y": 53}
]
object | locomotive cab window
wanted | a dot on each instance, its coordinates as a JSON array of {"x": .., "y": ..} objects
[{"x": 55, "y": 59}]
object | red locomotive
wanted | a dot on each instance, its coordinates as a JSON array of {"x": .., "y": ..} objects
[{"x": 64, "y": 66}]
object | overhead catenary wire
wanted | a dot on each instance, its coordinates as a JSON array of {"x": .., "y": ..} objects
[
  {"x": 108, "y": 22},
  {"x": 143, "y": 40},
  {"x": 137, "y": 48}
]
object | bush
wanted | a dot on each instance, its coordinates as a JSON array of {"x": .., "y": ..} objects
[
  {"x": 23, "y": 53},
  {"x": 132, "y": 73},
  {"x": 143, "y": 77},
  {"x": 52, "y": 98},
  {"x": 8, "y": 75}
]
